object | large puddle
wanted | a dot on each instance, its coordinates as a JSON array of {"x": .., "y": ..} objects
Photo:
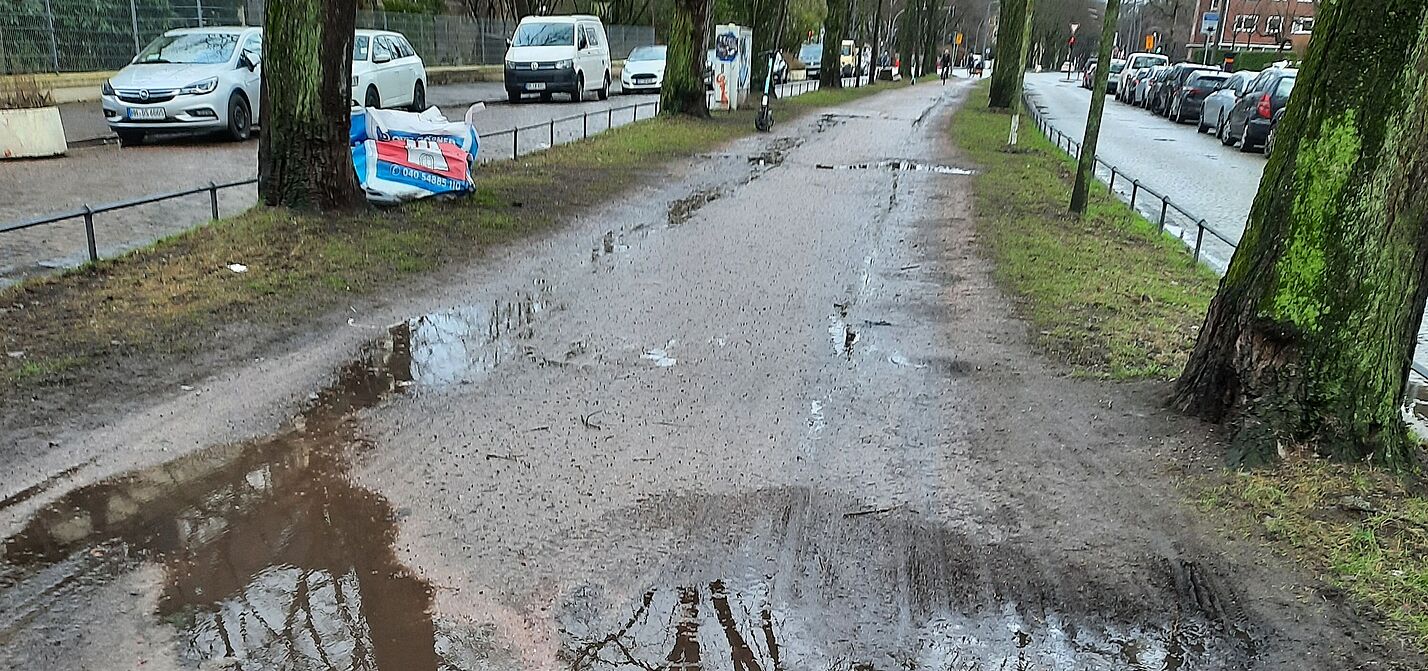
[{"x": 271, "y": 559}]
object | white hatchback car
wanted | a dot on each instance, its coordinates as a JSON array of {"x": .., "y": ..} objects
[
  {"x": 387, "y": 72},
  {"x": 644, "y": 69},
  {"x": 187, "y": 80}
]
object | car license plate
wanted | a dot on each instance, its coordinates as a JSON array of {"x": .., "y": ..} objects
[
  {"x": 147, "y": 113},
  {"x": 535, "y": 86}
]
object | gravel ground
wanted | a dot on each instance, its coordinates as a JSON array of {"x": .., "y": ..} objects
[{"x": 760, "y": 415}]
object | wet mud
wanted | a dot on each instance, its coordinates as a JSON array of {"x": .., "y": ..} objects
[
  {"x": 806, "y": 579},
  {"x": 272, "y": 558}
]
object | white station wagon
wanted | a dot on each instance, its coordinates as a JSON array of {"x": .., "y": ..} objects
[
  {"x": 387, "y": 72},
  {"x": 191, "y": 79}
]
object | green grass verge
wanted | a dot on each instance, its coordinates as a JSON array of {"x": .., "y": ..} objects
[
  {"x": 175, "y": 298},
  {"x": 1366, "y": 531},
  {"x": 1106, "y": 293}
]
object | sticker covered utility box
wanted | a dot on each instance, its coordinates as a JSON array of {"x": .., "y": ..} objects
[{"x": 733, "y": 65}]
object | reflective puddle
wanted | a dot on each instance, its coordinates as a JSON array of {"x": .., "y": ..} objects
[
  {"x": 901, "y": 165},
  {"x": 271, "y": 558}
]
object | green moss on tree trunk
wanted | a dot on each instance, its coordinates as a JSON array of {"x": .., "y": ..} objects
[
  {"x": 1011, "y": 30},
  {"x": 683, "y": 90},
  {"x": 1312, "y": 332},
  {"x": 303, "y": 156}
]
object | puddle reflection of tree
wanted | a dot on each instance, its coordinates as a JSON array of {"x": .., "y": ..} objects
[
  {"x": 304, "y": 578},
  {"x": 686, "y": 634}
]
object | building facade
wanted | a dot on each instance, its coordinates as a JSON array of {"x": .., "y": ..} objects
[{"x": 1255, "y": 25}]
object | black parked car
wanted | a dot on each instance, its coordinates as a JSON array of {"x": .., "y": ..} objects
[
  {"x": 1190, "y": 98},
  {"x": 1152, "y": 91},
  {"x": 1248, "y": 123},
  {"x": 1169, "y": 88}
]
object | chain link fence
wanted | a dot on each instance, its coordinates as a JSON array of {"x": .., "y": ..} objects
[{"x": 97, "y": 35}]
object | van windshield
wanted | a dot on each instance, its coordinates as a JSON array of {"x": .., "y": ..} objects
[
  {"x": 810, "y": 53},
  {"x": 544, "y": 35},
  {"x": 191, "y": 48}
]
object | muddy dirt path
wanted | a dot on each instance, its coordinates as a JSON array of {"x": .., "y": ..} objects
[{"x": 772, "y": 415}]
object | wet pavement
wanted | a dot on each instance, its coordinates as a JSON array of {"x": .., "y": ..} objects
[{"x": 748, "y": 431}]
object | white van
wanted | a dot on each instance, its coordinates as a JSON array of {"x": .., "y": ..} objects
[{"x": 558, "y": 54}]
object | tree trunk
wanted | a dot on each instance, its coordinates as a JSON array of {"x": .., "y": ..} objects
[
  {"x": 1011, "y": 26},
  {"x": 304, "y": 160},
  {"x": 683, "y": 91},
  {"x": 1313, "y": 329},
  {"x": 1020, "y": 75},
  {"x": 835, "y": 26},
  {"x": 1086, "y": 167}
]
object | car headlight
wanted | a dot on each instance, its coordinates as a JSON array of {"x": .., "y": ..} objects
[
  {"x": 510, "y": 65},
  {"x": 198, "y": 88},
  {"x": 106, "y": 88},
  {"x": 565, "y": 64}
]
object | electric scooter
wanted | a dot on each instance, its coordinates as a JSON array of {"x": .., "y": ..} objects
[{"x": 765, "y": 120}]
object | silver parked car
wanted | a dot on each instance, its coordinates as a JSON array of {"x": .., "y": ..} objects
[
  {"x": 1216, "y": 108},
  {"x": 188, "y": 80}
]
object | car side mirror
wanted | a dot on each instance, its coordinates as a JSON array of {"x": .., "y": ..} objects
[
  {"x": 249, "y": 60},
  {"x": 381, "y": 58},
  {"x": 584, "y": 44},
  {"x": 508, "y": 43}
]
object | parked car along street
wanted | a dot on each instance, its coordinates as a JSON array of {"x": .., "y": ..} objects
[
  {"x": 558, "y": 54},
  {"x": 1248, "y": 122},
  {"x": 812, "y": 57},
  {"x": 1177, "y": 89},
  {"x": 188, "y": 80},
  {"x": 386, "y": 71},
  {"x": 1142, "y": 87},
  {"x": 1189, "y": 102},
  {"x": 1140, "y": 60},
  {"x": 1113, "y": 82},
  {"x": 644, "y": 69},
  {"x": 1217, "y": 105}
]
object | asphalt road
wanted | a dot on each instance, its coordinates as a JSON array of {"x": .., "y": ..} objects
[{"x": 756, "y": 414}]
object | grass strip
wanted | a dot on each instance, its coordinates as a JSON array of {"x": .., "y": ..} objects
[
  {"x": 1106, "y": 293},
  {"x": 124, "y": 323},
  {"x": 1366, "y": 531}
]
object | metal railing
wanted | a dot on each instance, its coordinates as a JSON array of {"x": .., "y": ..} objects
[
  {"x": 87, "y": 212},
  {"x": 1169, "y": 216},
  {"x": 610, "y": 116},
  {"x": 1168, "y": 210}
]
